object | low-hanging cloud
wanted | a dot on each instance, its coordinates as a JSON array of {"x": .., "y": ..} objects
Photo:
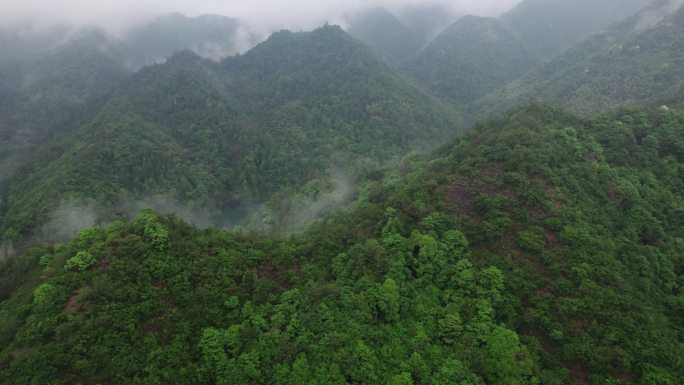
[{"x": 118, "y": 15}]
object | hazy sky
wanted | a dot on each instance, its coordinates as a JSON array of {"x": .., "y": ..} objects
[{"x": 117, "y": 15}]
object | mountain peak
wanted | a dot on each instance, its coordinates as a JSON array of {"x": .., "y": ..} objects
[
  {"x": 287, "y": 49},
  {"x": 471, "y": 58},
  {"x": 211, "y": 36},
  {"x": 185, "y": 56},
  {"x": 556, "y": 25},
  {"x": 386, "y": 34},
  {"x": 325, "y": 31}
]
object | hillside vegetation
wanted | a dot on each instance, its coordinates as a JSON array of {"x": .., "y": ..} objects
[
  {"x": 215, "y": 135},
  {"x": 540, "y": 248},
  {"x": 553, "y": 26},
  {"x": 386, "y": 34},
  {"x": 634, "y": 61},
  {"x": 313, "y": 210},
  {"x": 470, "y": 59}
]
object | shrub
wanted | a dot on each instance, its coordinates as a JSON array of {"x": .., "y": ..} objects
[{"x": 81, "y": 261}]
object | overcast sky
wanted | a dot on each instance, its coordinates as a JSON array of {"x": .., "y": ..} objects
[{"x": 117, "y": 15}]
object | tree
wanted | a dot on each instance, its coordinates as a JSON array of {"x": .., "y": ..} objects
[
  {"x": 450, "y": 328},
  {"x": 43, "y": 294},
  {"x": 389, "y": 300},
  {"x": 505, "y": 362},
  {"x": 454, "y": 372},
  {"x": 400, "y": 379},
  {"x": 81, "y": 261}
]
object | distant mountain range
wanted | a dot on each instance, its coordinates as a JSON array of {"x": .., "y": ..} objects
[
  {"x": 398, "y": 37},
  {"x": 635, "y": 60},
  {"x": 471, "y": 58},
  {"x": 291, "y": 95},
  {"x": 213, "y": 134},
  {"x": 209, "y": 36},
  {"x": 552, "y": 26}
]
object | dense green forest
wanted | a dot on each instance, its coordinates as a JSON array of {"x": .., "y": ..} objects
[
  {"x": 541, "y": 248},
  {"x": 43, "y": 97},
  {"x": 330, "y": 208},
  {"x": 214, "y": 135}
]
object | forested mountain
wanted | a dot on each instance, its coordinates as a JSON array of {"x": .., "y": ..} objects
[
  {"x": 384, "y": 244},
  {"x": 674, "y": 99},
  {"x": 636, "y": 60},
  {"x": 39, "y": 97},
  {"x": 399, "y": 35},
  {"x": 210, "y": 36},
  {"x": 470, "y": 59},
  {"x": 477, "y": 56},
  {"x": 22, "y": 42},
  {"x": 386, "y": 34},
  {"x": 53, "y": 79},
  {"x": 428, "y": 19},
  {"x": 540, "y": 248},
  {"x": 216, "y": 135},
  {"x": 150, "y": 42},
  {"x": 552, "y": 26}
]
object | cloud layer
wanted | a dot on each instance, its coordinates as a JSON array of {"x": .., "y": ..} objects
[{"x": 117, "y": 15}]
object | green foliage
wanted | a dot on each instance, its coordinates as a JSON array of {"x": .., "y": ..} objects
[
  {"x": 453, "y": 372},
  {"x": 153, "y": 229},
  {"x": 505, "y": 362},
  {"x": 390, "y": 300},
  {"x": 450, "y": 328},
  {"x": 43, "y": 294},
  {"x": 532, "y": 239},
  {"x": 215, "y": 307},
  {"x": 45, "y": 260},
  {"x": 401, "y": 379},
  {"x": 81, "y": 261}
]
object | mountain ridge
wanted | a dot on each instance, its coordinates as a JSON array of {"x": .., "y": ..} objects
[
  {"x": 242, "y": 129},
  {"x": 471, "y": 58},
  {"x": 624, "y": 64},
  {"x": 509, "y": 244}
]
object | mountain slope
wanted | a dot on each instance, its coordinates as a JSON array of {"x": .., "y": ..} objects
[
  {"x": 210, "y": 36},
  {"x": 26, "y": 42},
  {"x": 634, "y": 61},
  {"x": 471, "y": 58},
  {"x": 591, "y": 234},
  {"x": 540, "y": 248},
  {"x": 216, "y": 135},
  {"x": 387, "y": 35},
  {"x": 39, "y": 98},
  {"x": 67, "y": 75},
  {"x": 552, "y": 26}
]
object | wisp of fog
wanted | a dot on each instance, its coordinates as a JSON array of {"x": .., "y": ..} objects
[{"x": 267, "y": 15}]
